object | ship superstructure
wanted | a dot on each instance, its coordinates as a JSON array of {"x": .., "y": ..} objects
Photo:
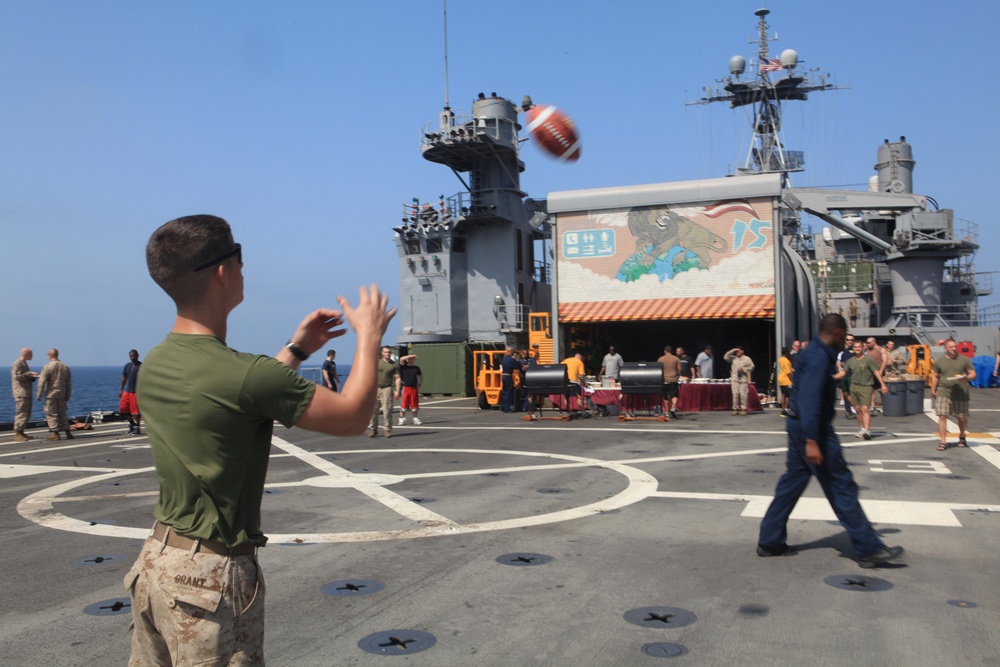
[
  {"x": 472, "y": 264},
  {"x": 721, "y": 262},
  {"x": 903, "y": 265}
]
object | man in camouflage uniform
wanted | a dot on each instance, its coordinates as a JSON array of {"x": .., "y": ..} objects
[
  {"x": 894, "y": 364},
  {"x": 387, "y": 371},
  {"x": 21, "y": 378},
  {"x": 55, "y": 385},
  {"x": 196, "y": 588},
  {"x": 740, "y": 371}
]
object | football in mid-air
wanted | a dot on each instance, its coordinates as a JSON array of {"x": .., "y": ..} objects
[{"x": 555, "y": 132}]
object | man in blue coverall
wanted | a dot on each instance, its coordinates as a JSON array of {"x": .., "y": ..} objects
[
  {"x": 508, "y": 366},
  {"x": 814, "y": 449}
]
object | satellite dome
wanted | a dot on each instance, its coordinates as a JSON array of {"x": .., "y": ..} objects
[
  {"x": 737, "y": 65},
  {"x": 789, "y": 58}
]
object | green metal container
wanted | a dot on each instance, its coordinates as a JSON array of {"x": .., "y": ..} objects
[{"x": 446, "y": 368}]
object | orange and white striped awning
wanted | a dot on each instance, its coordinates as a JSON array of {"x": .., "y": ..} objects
[{"x": 760, "y": 306}]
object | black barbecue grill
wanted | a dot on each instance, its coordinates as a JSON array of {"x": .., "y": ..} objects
[
  {"x": 553, "y": 379},
  {"x": 550, "y": 379},
  {"x": 642, "y": 378}
]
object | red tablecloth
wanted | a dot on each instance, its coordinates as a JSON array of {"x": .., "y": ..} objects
[
  {"x": 642, "y": 402},
  {"x": 597, "y": 397},
  {"x": 559, "y": 402},
  {"x": 695, "y": 397},
  {"x": 605, "y": 396}
]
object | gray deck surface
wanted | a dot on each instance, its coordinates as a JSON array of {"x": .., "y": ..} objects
[{"x": 633, "y": 515}]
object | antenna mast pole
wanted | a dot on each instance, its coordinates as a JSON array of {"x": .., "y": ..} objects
[
  {"x": 762, "y": 33},
  {"x": 446, "y": 104},
  {"x": 766, "y": 141}
]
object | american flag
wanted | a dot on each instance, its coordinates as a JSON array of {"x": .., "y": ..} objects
[
  {"x": 729, "y": 206},
  {"x": 771, "y": 66}
]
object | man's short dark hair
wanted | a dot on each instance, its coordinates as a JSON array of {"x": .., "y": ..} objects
[
  {"x": 182, "y": 244},
  {"x": 831, "y": 322},
  {"x": 667, "y": 349}
]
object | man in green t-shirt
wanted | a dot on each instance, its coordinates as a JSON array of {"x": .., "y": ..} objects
[
  {"x": 863, "y": 371},
  {"x": 950, "y": 391},
  {"x": 197, "y": 593},
  {"x": 387, "y": 373}
]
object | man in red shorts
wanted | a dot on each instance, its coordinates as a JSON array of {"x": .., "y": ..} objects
[
  {"x": 408, "y": 384},
  {"x": 128, "y": 406}
]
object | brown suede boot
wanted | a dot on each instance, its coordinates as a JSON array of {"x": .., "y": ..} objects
[
  {"x": 54, "y": 436},
  {"x": 69, "y": 434},
  {"x": 21, "y": 436}
]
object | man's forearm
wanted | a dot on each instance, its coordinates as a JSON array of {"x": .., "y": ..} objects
[{"x": 286, "y": 357}]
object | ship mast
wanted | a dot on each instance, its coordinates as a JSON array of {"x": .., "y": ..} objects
[{"x": 767, "y": 154}]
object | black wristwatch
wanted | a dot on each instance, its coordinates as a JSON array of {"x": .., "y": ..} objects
[{"x": 296, "y": 351}]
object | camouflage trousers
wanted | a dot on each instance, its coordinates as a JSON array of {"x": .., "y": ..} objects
[
  {"x": 741, "y": 393},
  {"x": 383, "y": 404},
  {"x": 195, "y": 608},
  {"x": 22, "y": 413},
  {"x": 55, "y": 414}
]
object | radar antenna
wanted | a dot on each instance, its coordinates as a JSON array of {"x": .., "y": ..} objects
[{"x": 767, "y": 154}]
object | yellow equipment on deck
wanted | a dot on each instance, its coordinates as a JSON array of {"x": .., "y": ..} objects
[{"x": 920, "y": 361}]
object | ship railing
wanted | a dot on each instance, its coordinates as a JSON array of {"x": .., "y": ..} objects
[
  {"x": 794, "y": 160},
  {"x": 512, "y": 319},
  {"x": 503, "y": 203},
  {"x": 833, "y": 277},
  {"x": 465, "y": 129},
  {"x": 983, "y": 280},
  {"x": 968, "y": 279},
  {"x": 966, "y": 230},
  {"x": 434, "y": 211},
  {"x": 779, "y": 161},
  {"x": 943, "y": 315},
  {"x": 490, "y": 202},
  {"x": 542, "y": 272},
  {"x": 917, "y": 331},
  {"x": 989, "y": 316},
  {"x": 315, "y": 374}
]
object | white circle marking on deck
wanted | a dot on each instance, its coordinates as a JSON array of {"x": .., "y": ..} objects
[{"x": 40, "y": 507}]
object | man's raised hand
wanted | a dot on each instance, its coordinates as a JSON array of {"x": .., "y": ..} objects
[{"x": 371, "y": 316}]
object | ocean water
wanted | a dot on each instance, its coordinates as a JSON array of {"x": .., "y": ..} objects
[{"x": 96, "y": 388}]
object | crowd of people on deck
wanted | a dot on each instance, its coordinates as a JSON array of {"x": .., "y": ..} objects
[
  {"x": 863, "y": 368},
  {"x": 206, "y": 405}
]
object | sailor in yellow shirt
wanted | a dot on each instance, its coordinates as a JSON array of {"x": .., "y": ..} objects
[
  {"x": 785, "y": 371},
  {"x": 575, "y": 371}
]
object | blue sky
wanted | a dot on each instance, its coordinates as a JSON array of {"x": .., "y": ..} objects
[{"x": 299, "y": 122}]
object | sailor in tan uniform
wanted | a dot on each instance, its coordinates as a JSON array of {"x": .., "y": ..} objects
[
  {"x": 21, "y": 378},
  {"x": 55, "y": 386},
  {"x": 740, "y": 370}
]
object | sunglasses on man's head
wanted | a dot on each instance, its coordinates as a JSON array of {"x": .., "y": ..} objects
[{"x": 237, "y": 250}]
